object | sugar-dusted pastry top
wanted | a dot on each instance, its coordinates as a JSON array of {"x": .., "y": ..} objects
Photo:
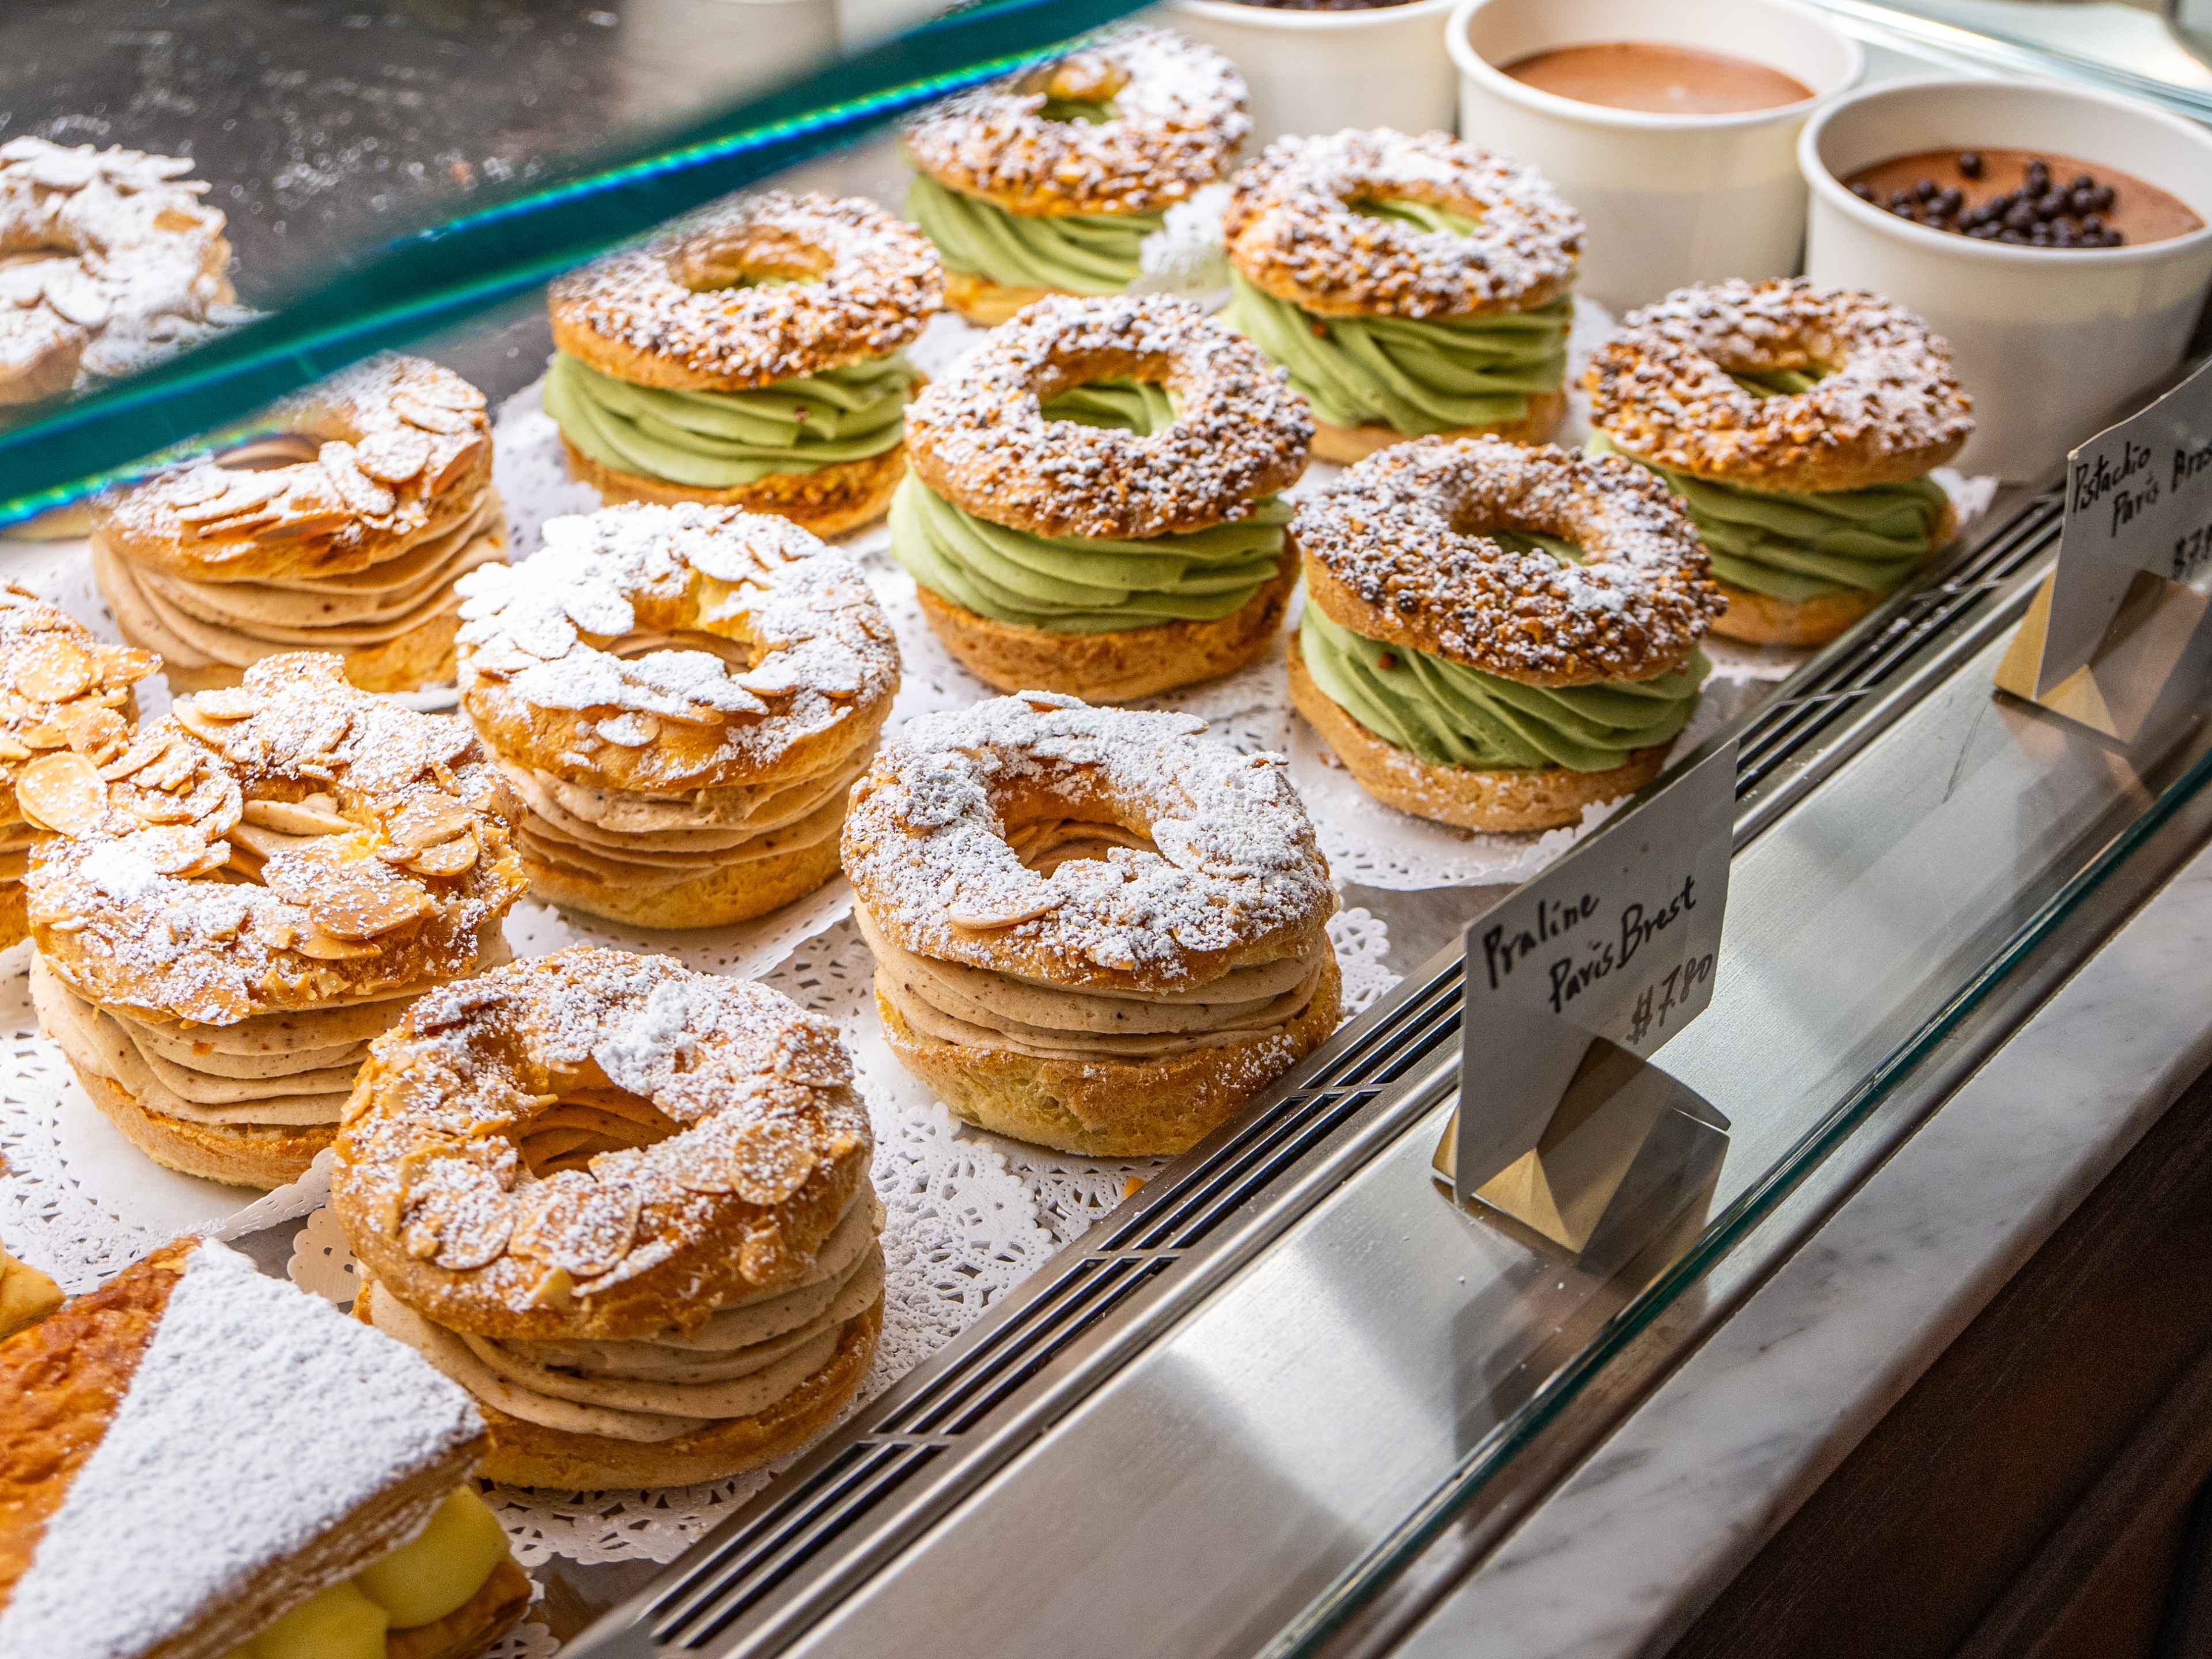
[
  {"x": 855, "y": 283},
  {"x": 753, "y": 1147},
  {"x": 183, "y": 1431},
  {"x": 1294, "y": 229},
  {"x": 979, "y": 437},
  {"x": 374, "y": 841},
  {"x": 109, "y": 259},
  {"x": 1237, "y": 879},
  {"x": 1404, "y": 548},
  {"x": 668, "y": 649},
  {"x": 60, "y": 689},
  {"x": 1884, "y": 406},
  {"x": 1174, "y": 116}
]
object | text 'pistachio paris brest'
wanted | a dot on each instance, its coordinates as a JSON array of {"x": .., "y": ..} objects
[
  {"x": 1412, "y": 284},
  {"x": 750, "y": 356},
  {"x": 1095, "y": 504},
  {"x": 1049, "y": 181},
  {"x": 206, "y": 1463},
  {"x": 61, "y": 692},
  {"x": 226, "y": 912},
  {"x": 1498, "y": 637},
  {"x": 681, "y": 697},
  {"x": 1799, "y": 424},
  {"x": 109, "y": 259},
  {"x": 626, "y": 1206},
  {"x": 344, "y": 531},
  {"x": 1093, "y": 928}
]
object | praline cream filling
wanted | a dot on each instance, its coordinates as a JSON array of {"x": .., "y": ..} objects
[
  {"x": 746, "y": 1356},
  {"x": 292, "y": 1069},
  {"x": 201, "y": 624},
  {"x": 647, "y": 841},
  {"x": 983, "y": 1008}
]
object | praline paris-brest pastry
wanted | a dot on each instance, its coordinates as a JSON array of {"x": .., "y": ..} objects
[
  {"x": 1799, "y": 424},
  {"x": 750, "y": 356},
  {"x": 261, "y": 881},
  {"x": 109, "y": 259},
  {"x": 625, "y": 1205},
  {"x": 1496, "y": 636},
  {"x": 681, "y": 697},
  {"x": 1049, "y": 182},
  {"x": 1092, "y": 929},
  {"x": 203, "y": 1462},
  {"x": 1094, "y": 504},
  {"x": 1413, "y": 285},
  {"x": 344, "y": 531},
  {"x": 61, "y": 692}
]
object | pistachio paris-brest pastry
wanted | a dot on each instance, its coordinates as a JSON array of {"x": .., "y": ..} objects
[
  {"x": 626, "y": 1206},
  {"x": 1498, "y": 637},
  {"x": 203, "y": 1462},
  {"x": 1093, "y": 929},
  {"x": 1095, "y": 505},
  {"x": 1413, "y": 285},
  {"x": 1799, "y": 424},
  {"x": 681, "y": 697},
  {"x": 61, "y": 692},
  {"x": 226, "y": 912},
  {"x": 344, "y": 531},
  {"x": 751, "y": 357},
  {"x": 1049, "y": 182}
]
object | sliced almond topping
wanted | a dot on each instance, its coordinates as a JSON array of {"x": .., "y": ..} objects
[
  {"x": 574, "y": 1222},
  {"x": 99, "y": 734},
  {"x": 11, "y": 750},
  {"x": 446, "y": 392},
  {"x": 203, "y": 484},
  {"x": 428, "y": 415},
  {"x": 353, "y": 903},
  {"x": 242, "y": 492},
  {"x": 454, "y": 858},
  {"x": 353, "y": 486},
  {"x": 53, "y": 668},
  {"x": 124, "y": 665},
  {"x": 62, "y": 792},
  {"x": 296, "y": 526},
  {"x": 556, "y": 1288},
  {"x": 465, "y": 458},
  {"x": 170, "y": 850},
  {"x": 427, "y": 820},
  {"x": 393, "y": 456},
  {"x": 295, "y": 818},
  {"x": 148, "y": 747},
  {"x": 323, "y": 948},
  {"x": 629, "y": 729},
  {"x": 228, "y": 702},
  {"x": 46, "y": 735},
  {"x": 1004, "y": 912}
]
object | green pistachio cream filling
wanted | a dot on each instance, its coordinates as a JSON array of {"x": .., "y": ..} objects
[
  {"x": 1072, "y": 584},
  {"x": 1449, "y": 715},
  {"x": 723, "y": 439},
  {"x": 1797, "y": 546},
  {"x": 1413, "y": 375},
  {"x": 1071, "y": 252}
]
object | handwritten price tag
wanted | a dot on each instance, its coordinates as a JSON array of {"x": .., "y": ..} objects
[{"x": 1618, "y": 940}]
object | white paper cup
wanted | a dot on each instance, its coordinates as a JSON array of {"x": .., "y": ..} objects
[
  {"x": 1321, "y": 71},
  {"x": 2051, "y": 343},
  {"x": 1669, "y": 200}
]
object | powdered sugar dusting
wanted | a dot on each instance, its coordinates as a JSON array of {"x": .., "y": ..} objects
[
  {"x": 1291, "y": 228},
  {"x": 1237, "y": 869},
  {"x": 1890, "y": 407},
  {"x": 1402, "y": 535},
  {"x": 259, "y": 1418},
  {"x": 978, "y": 435},
  {"x": 1178, "y": 117}
]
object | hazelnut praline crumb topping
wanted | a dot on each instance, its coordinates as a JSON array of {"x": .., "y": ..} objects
[
  {"x": 670, "y": 313},
  {"x": 1178, "y": 117},
  {"x": 1397, "y": 551},
  {"x": 1237, "y": 878},
  {"x": 766, "y": 1145},
  {"x": 977, "y": 434},
  {"x": 1292, "y": 231},
  {"x": 1889, "y": 408},
  {"x": 286, "y": 843}
]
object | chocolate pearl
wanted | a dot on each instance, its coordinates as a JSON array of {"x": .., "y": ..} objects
[
  {"x": 2103, "y": 194},
  {"x": 2015, "y": 238},
  {"x": 1928, "y": 190},
  {"x": 1984, "y": 232},
  {"x": 2080, "y": 199},
  {"x": 2092, "y": 224},
  {"x": 1898, "y": 201},
  {"x": 2062, "y": 235},
  {"x": 2020, "y": 216},
  {"x": 1952, "y": 200},
  {"x": 2114, "y": 237},
  {"x": 1863, "y": 191},
  {"x": 2040, "y": 237},
  {"x": 2039, "y": 175},
  {"x": 1971, "y": 163},
  {"x": 2051, "y": 204},
  {"x": 2081, "y": 181}
]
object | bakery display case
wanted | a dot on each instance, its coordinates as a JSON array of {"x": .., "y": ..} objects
[{"x": 1202, "y": 1354}]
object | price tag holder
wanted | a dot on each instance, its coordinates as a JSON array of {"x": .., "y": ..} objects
[
  {"x": 1569, "y": 983},
  {"x": 2116, "y": 617}
]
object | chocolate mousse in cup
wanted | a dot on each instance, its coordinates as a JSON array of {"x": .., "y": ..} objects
[
  {"x": 1672, "y": 128},
  {"x": 2056, "y": 237}
]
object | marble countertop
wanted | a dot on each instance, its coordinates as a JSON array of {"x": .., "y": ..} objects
[{"x": 1638, "y": 1541}]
